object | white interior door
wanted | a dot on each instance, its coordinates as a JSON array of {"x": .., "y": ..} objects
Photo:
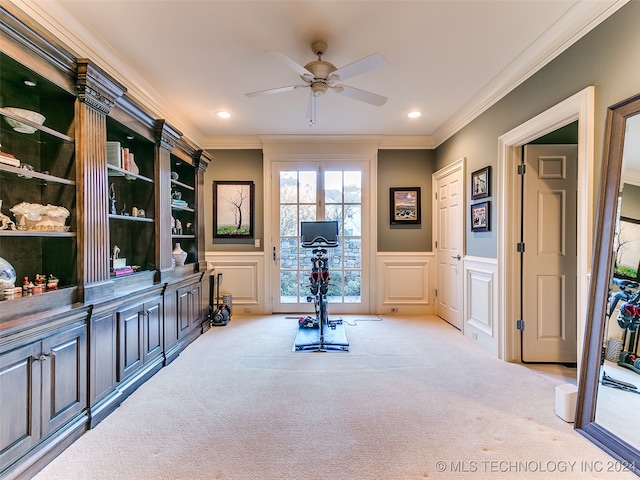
[
  {"x": 449, "y": 191},
  {"x": 314, "y": 191},
  {"x": 550, "y": 253}
]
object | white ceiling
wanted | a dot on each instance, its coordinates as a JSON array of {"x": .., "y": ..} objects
[{"x": 187, "y": 59}]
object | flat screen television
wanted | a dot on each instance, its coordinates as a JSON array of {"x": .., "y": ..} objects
[{"x": 319, "y": 234}]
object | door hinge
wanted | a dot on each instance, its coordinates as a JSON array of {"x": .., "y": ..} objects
[
  {"x": 520, "y": 324},
  {"x": 436, "y": 292},
  {"x": 436, "y": 195},
  {"x": 522, "y": 169},
  {"x": 436, "y": 244},
  {"x": 520, "y": 247}
]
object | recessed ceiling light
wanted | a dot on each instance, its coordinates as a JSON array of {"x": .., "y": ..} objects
[
  {"x": 30, "y": 83},
  {"x": 223, "y": 114},
  {"x": 413, "y": 114}
]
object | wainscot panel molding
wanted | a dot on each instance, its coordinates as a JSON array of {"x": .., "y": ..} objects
[
  {"x": 242, "y": 274},
  {"x": 406, "y": 282},
  {"x": 480, "y": 303}
]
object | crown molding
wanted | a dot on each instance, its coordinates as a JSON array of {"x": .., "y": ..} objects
[
  {"x": 383, "y": 142},
  {"x": 581, "y": 18},
  {"x": 57, "y": 21}
]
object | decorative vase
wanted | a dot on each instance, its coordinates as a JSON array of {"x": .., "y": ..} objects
[
  {"x": 179, "y": 255},
  {"x": 7, "y": 275}
]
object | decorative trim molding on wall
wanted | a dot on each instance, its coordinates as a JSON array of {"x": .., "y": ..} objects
[
  {"x": 480, "y": 303},
  {"x": 406, "y": 282},
  {"x": 242, "y": 275}
]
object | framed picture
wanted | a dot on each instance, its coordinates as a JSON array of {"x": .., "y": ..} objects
[
  {"x": 481, "y": 217},
  {"x": 481, "y": 183},
  {"x": 404, "y": 205},
  {"x": 233, "y": 209},
  {"x": 626, "y": 249}
]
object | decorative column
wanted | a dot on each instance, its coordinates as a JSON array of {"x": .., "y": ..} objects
[
  {"x": 201, "y": 160},
  {"x": 166, "y": 139},
  {"x": 97, "y": 94}
]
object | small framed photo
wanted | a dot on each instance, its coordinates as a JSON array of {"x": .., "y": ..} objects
[
  {"x": 481, "y": 217},
  {"x": 404, "y": 205},
  {"x": 232, "y": 209},
  {"x": 481, "y": 183}
]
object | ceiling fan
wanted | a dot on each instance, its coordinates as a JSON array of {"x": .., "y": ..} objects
[{"x": 321, "y": 76}]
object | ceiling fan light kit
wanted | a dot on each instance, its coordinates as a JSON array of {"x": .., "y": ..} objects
[{"x": 321, "y": 76}]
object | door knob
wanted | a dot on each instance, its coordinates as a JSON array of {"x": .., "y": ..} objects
[{"x": 457, "y": 257}]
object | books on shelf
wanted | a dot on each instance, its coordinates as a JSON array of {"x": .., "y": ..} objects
[
  {"x": 121, "y": 157},
  {"x": 114, "y": 154},
  {"x": 9, "y": 159},
  {"x": 179, "y": 203},
  {"x": 120, "y": 271}
]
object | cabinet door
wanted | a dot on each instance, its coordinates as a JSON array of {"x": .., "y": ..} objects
[
  {"x": 64, "y": 377},
  {"x": 103, "y": 356},
  {"x": 196, "y": 309},
  {"x": 130, "y": 341},
  {"x": 20, "y": 382},
  {"x": 185, "y": 310},
  {"x": 153, "y": 328}
]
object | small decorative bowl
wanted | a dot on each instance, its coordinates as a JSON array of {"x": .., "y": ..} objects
[{"x": 35, "y": 117}]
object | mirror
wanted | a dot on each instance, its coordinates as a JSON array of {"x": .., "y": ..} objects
[{"x": 609, "y": 386}]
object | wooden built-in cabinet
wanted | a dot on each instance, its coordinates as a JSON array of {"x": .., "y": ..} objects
[
  {"x": 43, "y": 386},
  {"x": 70, "y": 355}
]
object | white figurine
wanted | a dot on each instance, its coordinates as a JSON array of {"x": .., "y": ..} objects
[{"x": 5, "y": 222}]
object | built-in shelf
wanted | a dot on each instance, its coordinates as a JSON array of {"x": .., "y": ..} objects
[
  {"x": 35, "y": 233},
  {"x": 182, "y": 185},
  {"x": 130, "y": 218},
  {"x": 120, "y": 172},
  {"x": 30, "y": 174},
  {"x": 37, "y": 126},
  {"x": 184, "y": 209}
]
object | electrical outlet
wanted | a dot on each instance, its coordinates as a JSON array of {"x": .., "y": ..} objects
[
  {"x": 394, "y": 309},
  {"x": 246, "y": 310}
]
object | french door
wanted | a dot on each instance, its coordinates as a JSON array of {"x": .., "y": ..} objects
[{"x": 315, "y": 191}]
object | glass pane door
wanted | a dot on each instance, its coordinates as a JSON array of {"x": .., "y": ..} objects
[{"x": 310, "y": 193}]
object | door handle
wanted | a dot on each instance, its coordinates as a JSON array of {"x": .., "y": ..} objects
[
  {"x": 457, "y": 257},
  {"x": 274, "y": 255}
]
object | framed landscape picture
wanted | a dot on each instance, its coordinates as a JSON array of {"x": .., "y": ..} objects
[
  {"x": 481, "y": 183},
  {"x": 233, "y": 209},
  {"x": 480, "y": 217},
  {"x": 404, "y": 205}
]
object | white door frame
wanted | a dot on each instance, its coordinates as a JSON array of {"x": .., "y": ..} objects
[
  {"x": 578, "y": 107},
  {"x": 321, "y": 149}
]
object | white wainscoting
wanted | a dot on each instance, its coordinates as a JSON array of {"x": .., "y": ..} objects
[
  {"x": 481, "y": 322},
  {"x": 242, "y": 277},
  {"x": 405, "y": 281}
]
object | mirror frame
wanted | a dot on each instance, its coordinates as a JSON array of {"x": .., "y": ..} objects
[{"x": 585, "y": 421}]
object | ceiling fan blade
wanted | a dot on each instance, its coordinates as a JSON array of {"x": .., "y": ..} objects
[
  {"x": 358, "y": 67},
  {"x": 362, "y": 95},
  {"x": 292, "y": 64},
  {"x": 288, "y": 88}
]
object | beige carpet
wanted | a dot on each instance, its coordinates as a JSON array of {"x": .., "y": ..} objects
[{"x": 412, "y": 399}]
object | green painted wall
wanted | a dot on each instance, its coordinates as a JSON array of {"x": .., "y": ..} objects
[
  {"x": 608, "y": 57},
  {"x": 404, "y": 168},
  {"x": 245, "y": 165}
]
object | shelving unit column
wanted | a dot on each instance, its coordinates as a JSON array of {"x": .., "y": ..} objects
[{"x": 97, "y": 94}]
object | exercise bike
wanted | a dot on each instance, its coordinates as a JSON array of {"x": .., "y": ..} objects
[
  {"x": 319, "y": 332},
  {"x": 628, "y": 319}
]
